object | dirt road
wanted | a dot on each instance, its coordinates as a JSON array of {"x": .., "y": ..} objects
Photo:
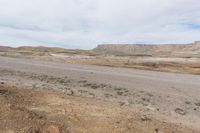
[
  {"x": 119, "y": 76},
  {"x": 169, "y": 94}
]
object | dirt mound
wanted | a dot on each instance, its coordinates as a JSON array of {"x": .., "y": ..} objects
[{"x": 42, "y": 111}]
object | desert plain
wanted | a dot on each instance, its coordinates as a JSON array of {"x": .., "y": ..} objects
[{"x": 104, "y": 90}]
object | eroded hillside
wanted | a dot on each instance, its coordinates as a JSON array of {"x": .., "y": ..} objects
[{"x": 151, "y": 49}]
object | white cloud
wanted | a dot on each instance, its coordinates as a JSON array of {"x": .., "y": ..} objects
[{"x": 86, "y": 23}]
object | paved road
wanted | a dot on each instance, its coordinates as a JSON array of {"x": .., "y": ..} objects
[{"x": 161, "y": 82}]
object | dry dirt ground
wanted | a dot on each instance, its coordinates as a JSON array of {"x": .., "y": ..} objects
[{"x": 49, "y": 97}]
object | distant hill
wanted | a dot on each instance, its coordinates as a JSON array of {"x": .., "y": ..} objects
[
  {"x": 151, "y": 49},
  {"x": 34, "y": 50},
  {"x": 183, "y": 50},
  {"x": 40, "y": 49},
  {"x": 4, "y": 47},
  {"x": 53, "y": 50}
]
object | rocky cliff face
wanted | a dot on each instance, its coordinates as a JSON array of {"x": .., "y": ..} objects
[{"x": 148, "y": 49}]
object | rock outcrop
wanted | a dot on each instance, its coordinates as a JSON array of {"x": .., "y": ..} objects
[{"x": 145, "y": 49}]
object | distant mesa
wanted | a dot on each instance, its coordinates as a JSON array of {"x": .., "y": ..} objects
[{"x": 148, "y": 49}]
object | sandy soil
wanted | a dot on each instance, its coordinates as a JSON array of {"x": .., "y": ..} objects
[{"x": 58, "y": 97}]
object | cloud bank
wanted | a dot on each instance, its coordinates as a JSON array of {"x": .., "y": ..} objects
[{"x": 86, "y": 23}]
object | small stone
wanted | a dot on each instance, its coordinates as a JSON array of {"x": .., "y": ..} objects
[
  {"x": 152, "y": 108},
  {"x": 69, "y": 92},
  {"x": 180, "y": 111},
  {"x": 145, "y": 118},
  {"x": 121, "y": 103},
  {"x": 156, "y": 130},
  {"x": 52, "y": 129}
]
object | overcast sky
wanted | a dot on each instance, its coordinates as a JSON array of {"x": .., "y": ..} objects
[{"x": 86, "y": 23}]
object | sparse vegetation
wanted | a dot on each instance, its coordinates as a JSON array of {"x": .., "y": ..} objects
[
  {"x": 197, "y": 104},
  {"x": 145, "y": 103},
  {"x": 108, "y": 95},
  {"x": 82, "y": 91},
  {"x": 145, "y": 99},
  {"x": 103, "y": 85},
  {"x": 94, "y": 85},
  {"x": 83, "y": 81},
  {"x": 34, "y": 86},
  {"x": 122, "y": 91},
  {"x": 119, "y": 93},
  {"x": 187, "y": 102},
  {"x": 92, "y": 94},
  {"x": 91, "y": 85},
  {"x": 149, "y": 94},
  {"x": 141, "y": 91},
  {"x": 119, "y": 88}
]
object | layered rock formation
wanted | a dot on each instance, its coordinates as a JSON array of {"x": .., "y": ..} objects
[{"x": 151, "y": 49}]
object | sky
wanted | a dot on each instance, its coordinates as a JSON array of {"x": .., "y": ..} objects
[{"x": 84, "y": 24}]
